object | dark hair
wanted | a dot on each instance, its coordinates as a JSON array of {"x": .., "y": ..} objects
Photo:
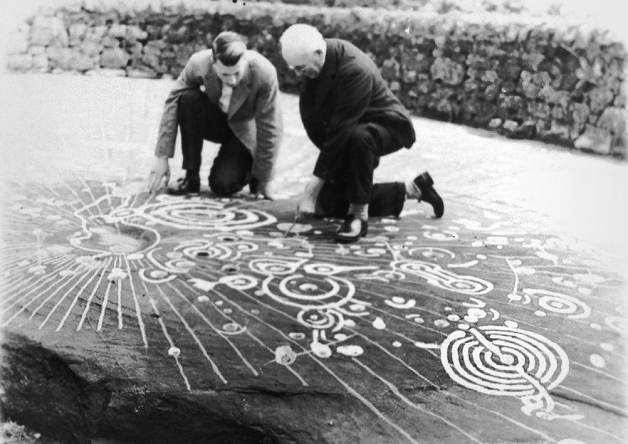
[{"x": 228, "y": 48}]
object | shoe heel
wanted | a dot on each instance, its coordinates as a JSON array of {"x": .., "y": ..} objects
[{"x": 428, "y": 178}]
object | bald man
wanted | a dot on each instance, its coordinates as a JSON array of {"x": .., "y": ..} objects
[{"x": 353, "y": 118}]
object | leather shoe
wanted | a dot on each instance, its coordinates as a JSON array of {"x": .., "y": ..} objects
[
  {"x": 185, "y": 185},
  {"x": 351, "y": 230},
  {"x": 428, "y": 194}
]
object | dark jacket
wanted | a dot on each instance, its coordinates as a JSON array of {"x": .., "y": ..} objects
[{"x": 349, "y": 91}]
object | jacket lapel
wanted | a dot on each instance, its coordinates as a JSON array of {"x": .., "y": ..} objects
[
  {"x": 327, "y": 75},
  {"x": 213, "y": 85},
  {"x": 241, "y": 92}
]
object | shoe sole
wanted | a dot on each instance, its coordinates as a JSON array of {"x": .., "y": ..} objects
[{"x": 348, "y": 240}]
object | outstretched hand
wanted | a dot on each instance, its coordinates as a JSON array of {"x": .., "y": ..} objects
[
  {"x": 160, "y": 170},
  {"x": 266, "y": 189}
]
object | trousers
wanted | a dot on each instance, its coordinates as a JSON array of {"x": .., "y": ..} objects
[
  {"x": 361, "y": 156},
  {"x": 200, "y": 119}
]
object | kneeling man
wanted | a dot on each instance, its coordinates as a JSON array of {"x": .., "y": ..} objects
[
  {"x": 353, "y": 118},
  {"x": 227, "y": 95}
]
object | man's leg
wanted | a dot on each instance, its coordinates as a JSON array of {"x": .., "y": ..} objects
[
  {"x": 232, "y": 167},
  {"x": 198, "y": 120}
]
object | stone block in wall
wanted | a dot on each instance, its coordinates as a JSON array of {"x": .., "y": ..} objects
[
  {"x": 114, "y": 58},
  {"x": 60, "y": 57},
  {"x": 614, "y": 120},
  {"x": 110, "y": 42},
  {"x": 447, "y": 71},
  {"x": 141, "y": 73},
  {"x": 599, "y": 98},
  {"x": 579, "y": 115},
  {"x": 595, "y": 139},
  {"x": 77, "y": 32},
  {"x": 117, "y": 30},
  {"x": 531, "y": 61},
  {"x": 90, "y": 48},
  {"x": 37, "y": 50},
  {"x": 48, "y": 31},
  {"x": 20, "y": 62},
  {"x": 106, "y": 73},
  {"x": 40, "y": 62},
  {"x": 18, "y": 43}
]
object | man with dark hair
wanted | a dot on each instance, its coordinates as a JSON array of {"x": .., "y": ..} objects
[
  {"x": 352, "y": 116},
  {"x": 227, "y": 95}
]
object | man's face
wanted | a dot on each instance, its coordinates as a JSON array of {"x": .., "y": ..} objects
[
  {"x": 306, "y": 64},
  {"x": 230, "y": 75}
]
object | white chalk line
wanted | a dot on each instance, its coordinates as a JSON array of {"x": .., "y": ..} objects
[
  {"x": 138, "y": 311},
  {"x": 91, "y": 296},
  {"x": 63, "y": 297},
  {"x": 42, "y": 281},
  {"x": 213, "y": 365},
  {"x": 80, "y": 292},
  {"x": 165, "y": 331},
  {"x": 217, "y": 330},
  {"x": 396, "y": 391}
]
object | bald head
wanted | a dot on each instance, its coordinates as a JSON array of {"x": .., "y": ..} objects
[{"x": 303, "y": 48}]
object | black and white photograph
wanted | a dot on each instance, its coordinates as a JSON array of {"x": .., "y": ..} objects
[{"x": 313, "y": 222}]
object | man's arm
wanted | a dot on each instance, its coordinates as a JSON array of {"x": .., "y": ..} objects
[
  {"x": 354, "y": 96},
  {"x": 190, "y": 78},
  {"x": 269, "y": 124}
]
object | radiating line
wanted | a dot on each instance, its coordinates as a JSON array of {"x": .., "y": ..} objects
[
  {"x": 76, "y": 298},
  {"x": 91, "y": 296},
  {"x": 176, "y": 358},
  {"x": 596, "y": 370},
  {"x": 138, "y": 311},
  {"x": 53, "y": 294},
  {"x": 104, "y": 306},
  {"x": 191, "y": 331},
  {"x": 208, "y": 322},
  {"x": 396, "y": 391},
  {"x": 89, "y": 190},
  {"x": 119, "y": 290},
  {"x": 46, "y": 279},
  {"x": 365, "y": 401},
  {"x": 84, "y": 206},
  {"x": 619, "y": 409}
]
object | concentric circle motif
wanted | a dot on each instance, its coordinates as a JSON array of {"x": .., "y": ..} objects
[
  {"x": 499, "y": 360},
  {"x": 201, "y": 214},
  {"x": 560, "y": 303},
  {"x": 303, "y": 292}
]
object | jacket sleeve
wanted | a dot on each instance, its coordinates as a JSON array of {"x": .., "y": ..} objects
[
  {"x": 190, "y": 78},
  {"x": 352, "y": 102},
  {"x": 269, "y": 125}
]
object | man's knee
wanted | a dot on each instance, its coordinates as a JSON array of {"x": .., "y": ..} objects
[
  {"x": 225, "y": 186},
  {"x": 361, "y": 140},
  {"x": 190, "y": 97}
]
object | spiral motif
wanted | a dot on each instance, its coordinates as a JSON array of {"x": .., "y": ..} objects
[{"x": 498, "y": 360}]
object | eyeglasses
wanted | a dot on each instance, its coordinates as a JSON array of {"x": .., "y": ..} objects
[{"x": 298, "y": 68}]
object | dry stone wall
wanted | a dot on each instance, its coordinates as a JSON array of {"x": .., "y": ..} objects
[{"x": 529, "y": 77}]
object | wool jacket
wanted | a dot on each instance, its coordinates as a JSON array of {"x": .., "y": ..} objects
[
  {"x": 254, "y": 112},
  {"x": 349, "y": 91}
]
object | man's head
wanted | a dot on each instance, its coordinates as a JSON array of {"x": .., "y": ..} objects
[
  {"x": 229, "y": 60},
  {"x": 303, "y": 48}
]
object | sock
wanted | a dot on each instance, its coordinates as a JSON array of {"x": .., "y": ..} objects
[
  {"x": 361, "y": 211},
  {"x": 412, "y": 190}
]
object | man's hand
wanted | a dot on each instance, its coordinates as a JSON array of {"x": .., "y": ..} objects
[
  {"x": 265, "y": 188},
  {"x": 307, "y": 203},
  {"x": 160, "y": 170}
]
